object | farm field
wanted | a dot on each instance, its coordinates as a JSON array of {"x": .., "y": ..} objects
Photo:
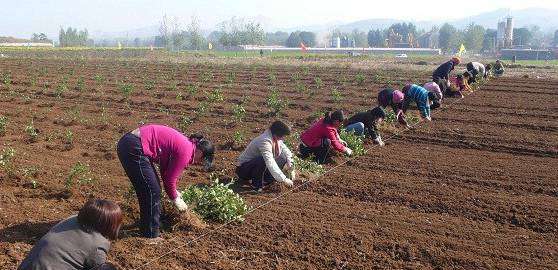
[{"x": 476, "y": 188}]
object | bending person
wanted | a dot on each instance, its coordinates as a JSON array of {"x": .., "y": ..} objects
[
  {"x": 173, "y": 152},
  {"x": 366, "y": 123},
  {"x": 322, "y": 136},
  {"x": 419, "y": 95},
  {"x": 394, "y": 99},
  {"x": 265, "y": 157},
  {"x": 78, "y": 242},
  {"x": 442, "y": 73}
]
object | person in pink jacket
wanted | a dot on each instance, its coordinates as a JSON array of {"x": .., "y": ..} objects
[
  {"x": 173, "y": 152},
  {"x": 322, "y": 136}
]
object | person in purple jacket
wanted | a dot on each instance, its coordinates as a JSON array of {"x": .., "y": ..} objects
[{"x": 173, "y": 152}]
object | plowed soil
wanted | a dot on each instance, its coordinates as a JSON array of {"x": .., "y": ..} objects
[{"x": 476, "y": 188}]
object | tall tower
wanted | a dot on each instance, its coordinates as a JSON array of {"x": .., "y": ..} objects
[
  {"x": 500, "y": 35},
  {"x": 509, "y": 32}
]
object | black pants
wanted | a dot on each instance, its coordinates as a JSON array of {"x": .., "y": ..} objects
[
  {"x": 321, "y": 153},
  {"x": 256, "y": 171},
  {"x": 145, "y": 181},
  {"x": 442, "y": 83}
]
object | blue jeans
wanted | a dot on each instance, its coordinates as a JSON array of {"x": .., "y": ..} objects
[
  {"x": 357, "y": 128},
  {"x": 145, "y": 181}
]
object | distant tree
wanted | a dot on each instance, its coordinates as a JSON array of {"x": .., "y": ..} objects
[
  {"x": 277, "y": 38},
  {"x": 294, "y": 40},
  {"x": 72, "y": 38},
  {"x": 376, "y": 38},
  {"x": 196, "y": 40},
  {"x": 522, "y": 36},
  {"x": 308, "y": 38},
  {"x": 40, "y": 37},
  {"x": 556, "y": 38},
  {"x": 359, "y": 38},
  {"x": 489, "y": 42},
  {"x": 474, "y": 37},
  {"x": 407, "y": 31},
  {"x": 447, "y": 34}
]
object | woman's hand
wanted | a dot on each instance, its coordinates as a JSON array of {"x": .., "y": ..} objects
[{"x": 180, "y": 204}]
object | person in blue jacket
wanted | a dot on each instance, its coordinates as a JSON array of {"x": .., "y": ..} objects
[
  {"x": 441, "y": 74},
  {"x": 422, "y": 97}
]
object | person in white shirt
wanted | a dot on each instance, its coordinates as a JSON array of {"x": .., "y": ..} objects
[{"x": 264, "y": 159}]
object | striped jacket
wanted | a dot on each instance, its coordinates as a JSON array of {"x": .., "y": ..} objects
[{"x": 420, "y": 96}]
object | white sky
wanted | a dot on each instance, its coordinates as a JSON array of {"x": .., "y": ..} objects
[{"x": 22, "y": 17}]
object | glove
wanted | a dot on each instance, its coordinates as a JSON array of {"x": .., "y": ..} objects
[
  {"x": 180, "y": 204},
  {"x": 288, "y": 182},
  {"x": 428, "y": 118},
  {"x": 379, "y": 141},
  {"x": 343, "y": 142},
  {"x": 348, "y": 151},
  {"x": 292, "y": 174}
]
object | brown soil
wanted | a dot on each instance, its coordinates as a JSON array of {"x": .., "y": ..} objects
[{"x": 476, "y": 188}]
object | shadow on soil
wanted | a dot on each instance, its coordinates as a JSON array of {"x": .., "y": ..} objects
[{"x": 27, "y": 232}]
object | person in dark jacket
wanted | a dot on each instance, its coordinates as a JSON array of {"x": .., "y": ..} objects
[
  {"x": 394, "y": 99},
  {"x": 78, "y": 242},
  {"x": 441, "y": 74},
  {"x": 366, "y": 123}
]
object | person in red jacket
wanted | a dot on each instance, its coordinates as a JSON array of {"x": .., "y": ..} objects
[{"x": 322, "y": 136}]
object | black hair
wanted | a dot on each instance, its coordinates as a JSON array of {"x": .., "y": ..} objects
[
  {"x": 206, "y": 147},
  {"x": 432, "y": 96},
  {"x": 103, "y": 216},
  {"x": 330, "y": 117},
  {"x": 280, "y": 129},
  {"x": 378, "y": 113},
  {"x": 489, "y": 67}
]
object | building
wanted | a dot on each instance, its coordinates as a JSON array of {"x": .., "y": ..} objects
[
  {"x": 527, "y": 54},
  {"x": 429, "y": 40},
  {"x": 504, "y": 35}
]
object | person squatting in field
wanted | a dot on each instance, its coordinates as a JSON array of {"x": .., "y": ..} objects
[
  {"x": 322, "y": 136},
  {"x": 477, "y": 70},
  {"x": 173, "y": 152},
  {"x": 394, "y": 99},
  {"x": 79, "y": 242},
  {"x": 442, "y": 73},
  {"x": 419, "y": 95},
  {"x": 498, "y": 69},
  {"x": 265, "y": 157},
  {"x": 366, "y": 123}
]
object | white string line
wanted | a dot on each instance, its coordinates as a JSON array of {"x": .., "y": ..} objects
[{"x": 284, "y": 194}]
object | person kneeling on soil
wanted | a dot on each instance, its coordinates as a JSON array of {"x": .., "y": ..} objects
[
  {"x": 265, "y": 156},
  {"x": 173, "y": 152},
  {"x": 419, "y": 95},
  {"x": 394, "y": 98},
  {"x": 477, "y": 70},
  {"x": 366, "y": 123},
  {"x": 498, "y": 69},
  {"x": 443, "y": 72},
  {"x": 434, "y": 88},
  {"x": 322, "y": 136},
  {"x": 459, "y": 84},
  {"x": 78, "y": 242}
]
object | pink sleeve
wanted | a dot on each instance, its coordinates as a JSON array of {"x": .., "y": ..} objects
[
  {"x": 334, "y": 137},
  {"x": 171, "y": 175}
]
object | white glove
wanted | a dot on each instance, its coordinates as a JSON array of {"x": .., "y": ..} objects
[
  {"x": 348, "y": 151},
  {"x": 292, "y": 174},
  {"x": 288, "y": 182},
  {"x": 428, "y": 118},
  {"x": 343, "y": 142},
  {"x": 180, "y": 204},
  {"x": 379, "y": 141}
]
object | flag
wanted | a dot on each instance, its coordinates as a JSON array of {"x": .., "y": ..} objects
[
  {"x": 210, "y": 46},
  {"x": 302, "y": 47},
  {"x": 461, "y": 50},
  {"x": 119, "y": 45}
]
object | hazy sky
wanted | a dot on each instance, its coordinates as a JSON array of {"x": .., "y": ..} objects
[{"x": 22, "y": 17}]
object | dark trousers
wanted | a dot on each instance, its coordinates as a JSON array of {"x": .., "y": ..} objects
[
  {"x": 145, "y": 181},
  {"x": 256, "y": 171},
  {"x": 321, "y": 153},
  {"x": 442, "y": 83}
]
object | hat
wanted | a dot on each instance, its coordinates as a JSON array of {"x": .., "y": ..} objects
[
  {"x": 456, "y": 60},
  {"x": 398, "y": 96}
]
